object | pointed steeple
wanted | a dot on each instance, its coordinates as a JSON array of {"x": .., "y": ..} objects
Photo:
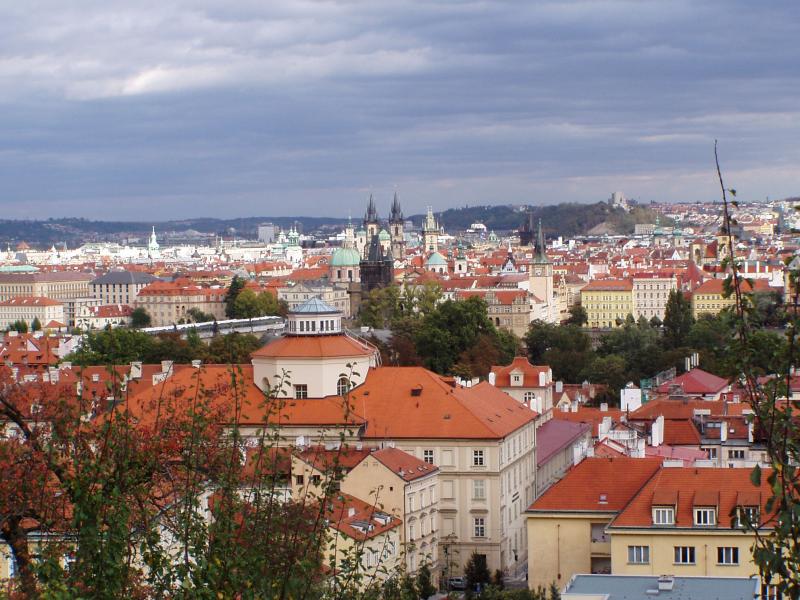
[
  {"x": 541, "y": 255},
  {"x": 371, "y": 215},
  {"x": 397, "y": 212}
]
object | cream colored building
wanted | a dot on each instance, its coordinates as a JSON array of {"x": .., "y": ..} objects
[
  {"x": 168, "y": 302},
  {"x": 650, "y": 294},
  {"x": 688, "y": 522},
  {"x": 407, "y": 488},
  {"x": 510, "y": 309},
  {"x": 28, "y": 309},
  {"x": 483, "y": 442},
  {"x": 59, "y": 285}
]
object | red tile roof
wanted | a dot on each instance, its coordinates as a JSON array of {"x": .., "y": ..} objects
[
  {"x": 696, "y": 382},
  {"x": 403, "y": 464},
  {"x": 520, "y": 363},
  {"x": 686, "y": 487},
  {"x": 598, "y": 485},
  {"x": 429, "y": 407},
  {"x": 316, "y": 346}
]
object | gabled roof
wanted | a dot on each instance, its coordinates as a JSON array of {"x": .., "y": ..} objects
[
  {"x": 695, "y": 382},
  {"x": 360, "y": 523},
  {"x": 598, "y": 485},
  {"x": 522, "y": 364},
  {"x": 404, "y": 465},
  {"x": 412, "y": 402}
]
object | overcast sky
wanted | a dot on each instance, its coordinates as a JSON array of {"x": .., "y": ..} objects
[{"x": 162, "y": 109}]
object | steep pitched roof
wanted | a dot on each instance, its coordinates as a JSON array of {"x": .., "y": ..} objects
[
  {"x": 695, "y": 382},
  {"x": 412, "y": 402},
  {"x": 598, "y": 485},
  {"x": 522, "y": 364},
  {"x": 688, "y": 486},
  {"x": 403, "y": 464}
]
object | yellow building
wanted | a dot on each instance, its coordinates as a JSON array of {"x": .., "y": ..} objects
[
  {"x": 607, "y": 301},
  {"x": 710, "y": 297},
  {"x": 681, "y": 523},
  {"x": 566, "y": 525}
]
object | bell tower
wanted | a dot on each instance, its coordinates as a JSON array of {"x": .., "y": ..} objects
[{"x": 396, "y": 229}]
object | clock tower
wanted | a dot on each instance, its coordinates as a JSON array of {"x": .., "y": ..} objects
[{"x": 541, "y": 277}]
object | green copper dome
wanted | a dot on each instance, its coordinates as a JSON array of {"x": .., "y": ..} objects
[{"x": 345, "y": 257}]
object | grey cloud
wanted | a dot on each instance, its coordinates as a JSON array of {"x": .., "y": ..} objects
[{"x": 301, "y": 107}]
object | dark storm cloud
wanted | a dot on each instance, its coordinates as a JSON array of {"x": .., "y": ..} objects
[{"x": 208, "y": 108}]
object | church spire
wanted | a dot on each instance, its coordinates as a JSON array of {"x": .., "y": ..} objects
[
  {"x": 541, "y": 255},
  {"x": 397, "y": 212},
  {"x": 371, "y": 215}
]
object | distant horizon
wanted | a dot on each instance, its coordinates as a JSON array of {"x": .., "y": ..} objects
[{"x": 383, "y": 214}]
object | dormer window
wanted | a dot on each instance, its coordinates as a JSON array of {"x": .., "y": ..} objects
[
  {"x": 705, "y": 516},
  {"x": 663, "y": 515},
  {"x": 747, "y": 516}
]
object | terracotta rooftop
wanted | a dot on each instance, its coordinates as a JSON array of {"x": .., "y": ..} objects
[
  {"x": 598, "y": 485},
  {"x": 687, "y": 487}
]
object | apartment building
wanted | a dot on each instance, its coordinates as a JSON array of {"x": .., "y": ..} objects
[
  {"x": 607, "y": 302},
  {"x": 168, "y": 302},
  {"x": 510, "y": 309},
  {"x": 650, "y": 294},
  {"x": 58, "y": 285},
  {"x": 49, "y": 312},
  {"x": 712, "y": 297},
  {"x": 120, "y": 287}
]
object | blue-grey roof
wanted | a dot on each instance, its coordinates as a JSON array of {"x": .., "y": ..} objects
[
  {"x": 124, "y": 278},
  {"x": 436, "y": 259},
  {"x": 635, "y": 587},
  {"x": 314, "y": 306}
]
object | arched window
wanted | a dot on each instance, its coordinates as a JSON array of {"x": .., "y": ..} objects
[{"x": 342, "y": 386}]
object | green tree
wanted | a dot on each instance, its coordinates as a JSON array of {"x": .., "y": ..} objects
[
  {"x": 234, "y": 348},
  {"x": 476, "y": 572},
  {"x": 195, "y": 315},
  {"x": 567, "y": 349},
  {"x": 678, "y": 320},
  {"x": 115, "y": 347},
  {"x": 36, "y": 325},
  {"x": 577, "y": 316},
  {"x": 425, "y": 587},
  {"x": 381, "y": 307},
  {"x": 140, "y": 318},
  {"x": 455, "y": 326},
  {"x": 237, "y": 285},
  {"x": 610, "y": 370}
]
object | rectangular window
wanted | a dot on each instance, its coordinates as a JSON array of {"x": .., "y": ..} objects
[
  {"x": 664, "y": 516},
  {"x": 478, "y": 489},
  {"x": 705, "y": 517},
  {"x": 736, "y": 454},
  {"x": 478, "y": 458},
  {"x": 298, "y": 480},
  {"x": 684, "y": 555},
  {"x": 427, "y": 456},
  {"x": 727, "y": 555},
  {"x": 301, "y": 391},
  {"x": 479, "y": 527},
  {"x": 447, "y": 490},
  {"x": 712, "y": 453},
  {"x": 747, "y": 516},
  {"x": 639, "y": 555}
]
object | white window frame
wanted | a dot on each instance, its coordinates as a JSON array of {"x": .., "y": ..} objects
[
  {"x": 705, "y": 516},
  {"x": 638, "y": 555},
  {"x": 685, "y": 555},
  {"x": 479, "y": 527},
  {"x": 663, "y": 515},
  {"x": 727, "y": 555},
  {"x": 752, "y": 513},
  {"x": 427, "y": 456},
  {"x": 478, "y": 458}
]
